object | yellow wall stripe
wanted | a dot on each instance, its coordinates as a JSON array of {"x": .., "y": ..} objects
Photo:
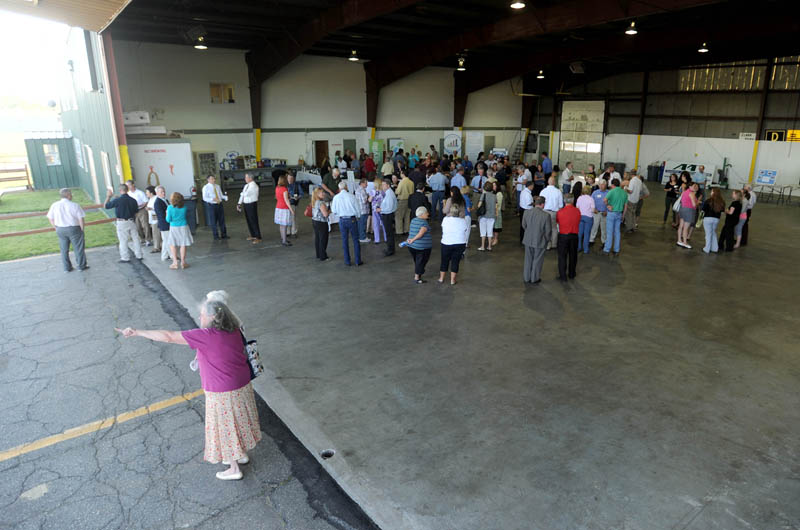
[
  {"x": 95, "y": 426},
  {"x": 638, "y": 143},
  {"x": 257, "y": 133},
  {"x": 125, "y": 162}
]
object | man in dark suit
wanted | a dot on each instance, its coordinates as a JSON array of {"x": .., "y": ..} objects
[
  {"x": 537, "y": 226},
  {"x": 417, "y": 199}
]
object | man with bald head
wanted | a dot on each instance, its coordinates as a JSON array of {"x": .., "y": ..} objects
[
  {"x": 553, "y": 202},
  {"x": 68, "y": 220}
]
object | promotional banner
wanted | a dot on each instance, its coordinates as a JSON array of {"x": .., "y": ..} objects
[
  {"x": 474, "y": 144},
  {"x": 376, "y": 148},
  {"x": 452, "y": 142},
  {"x": 166, "y": 164},
  {"x": 767, "y": 176},
  {"x": 395, "y": 144},
  {"x": 706, "y": 178}
]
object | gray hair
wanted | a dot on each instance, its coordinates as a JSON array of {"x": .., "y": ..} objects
[
  {"x": 343, "y": 185},
  {"x": 222, "y": 318},
  {"x": 567, "y": 199},
  {"x": 222, "y": 296},
  {"x": 421, "y": 210},
  {"x": 539, "y": 200},
  {"x": 161, "y": 188},
  {"x": 65, "y": 193}
]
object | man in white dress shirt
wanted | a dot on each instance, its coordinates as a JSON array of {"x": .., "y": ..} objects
[
  {"x": 566, "y": 178},
  {"x": 68, "y": 218},
  {"x": 634, "y": 189},
  {"x": 213, "y": 197},
  {"x": 346, "y": 207},
  {"x": 248, "y": 200},
  {"x": 525, "y": 203},
  {"x": 553, "y": 202},
  {"x": 142, "y": 217}
]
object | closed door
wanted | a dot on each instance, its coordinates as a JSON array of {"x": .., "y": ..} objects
[
  {"x": 488, "y": 144},
  {"x": 349, "y": 145},
  {"x": 320, "y": 151}
]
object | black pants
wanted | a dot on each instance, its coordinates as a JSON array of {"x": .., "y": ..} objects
[
  {"x": 451, "y": 257},
  {"x": 388, "y": 225},
  {"x": 520, "y": 213},
  {"x": 668, "y": 202},
  {"x": 537, "y": 189},
  {"x": 745, "y": 228},
  {"x": 567, "y": 248},
  {"x": 420, "y": 258},
  {"x": 216, "y": 215},
  {"x": 251, "y": 215},
  {"x": 321, "y": 239},
  {"x": 727, "y": 237}
]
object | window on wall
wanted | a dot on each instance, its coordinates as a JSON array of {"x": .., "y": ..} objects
[
  {"x": 740, "y": 75},
  {"x": 222, "y": 93},
  {"x": 51, "y": 155}
]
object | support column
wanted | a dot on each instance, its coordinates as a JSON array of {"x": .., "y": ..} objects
[
  {"x": 373, "y": 93},
  {"x": 762, "y": 111},
  {"x": 116, "y": 107},
  {"x": 460, "y": 94},
  {"x": 642, "y": 109},
  {"x": 255, "y": 102}
]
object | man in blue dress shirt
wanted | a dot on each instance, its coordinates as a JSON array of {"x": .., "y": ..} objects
[
  {"x": 438, "y": 183},
  {"x": 547, "y": 165},
  {"x": 387, "y": 208}
]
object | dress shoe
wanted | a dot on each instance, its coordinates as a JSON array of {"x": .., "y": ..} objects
[{"x": 232, "y": 476}]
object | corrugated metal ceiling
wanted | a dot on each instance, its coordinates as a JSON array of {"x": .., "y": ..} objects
[{"x": 94, "y": 15}]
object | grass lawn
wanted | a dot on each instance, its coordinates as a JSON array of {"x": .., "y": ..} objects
[
  {"x": 37, "y": 201},
  {"x": 46, "y": 243}
]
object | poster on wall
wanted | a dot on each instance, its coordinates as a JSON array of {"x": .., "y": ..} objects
[
  {"x": 474, "y": 144},
  {"x": 452, "y": 142},
  {"x": 395, "y": 144},
  {"x": 166, "y": 164},
  {"x": 706, "y": 178},
  {"x": 376, "y": 148},
  {"x": 767, "y": 176}
]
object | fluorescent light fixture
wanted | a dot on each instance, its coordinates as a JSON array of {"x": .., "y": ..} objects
[
  {"x": 518, "y": 5},
  {"x": 461, "y": 67},
  {"x": 201, "y": 44},
  {"x": 541, "y": 75},
  {"x": 631, "y": 29},
  {"x": 703, "y": 48}
]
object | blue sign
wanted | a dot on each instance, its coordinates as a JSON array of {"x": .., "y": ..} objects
[{"x": 767, "y": 176}]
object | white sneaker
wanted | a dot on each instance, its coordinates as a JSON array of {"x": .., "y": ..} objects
[{"x": 366, "y": 240}]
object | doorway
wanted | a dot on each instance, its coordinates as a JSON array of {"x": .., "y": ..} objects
[
  {"x": 320, "y": 152},
  {"x": 488, "y": 145},
  {"x": 349, "y": 145}
]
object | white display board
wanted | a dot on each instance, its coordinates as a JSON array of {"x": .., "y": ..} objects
[
  {"x": 767, "y": 176},
  {"x": 676, "y": 167},
  {"x": 474, "y": 144},
  {"x": 166, "y": 164}
]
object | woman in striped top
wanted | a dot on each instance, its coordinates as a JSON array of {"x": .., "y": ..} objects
[{"x": 420, "y": 242}]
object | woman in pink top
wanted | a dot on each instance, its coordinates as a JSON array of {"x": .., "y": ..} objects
[
  {"x": 686, "y": 214},
  {"x": 585, "y": 204},
  {"x": 232, "y": 426},
  {"x": 283, "y": 209}
]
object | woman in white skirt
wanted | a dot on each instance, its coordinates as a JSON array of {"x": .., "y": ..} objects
[
  {"x": 232, "y": 426},
  {"x": 283, "y": 209},
  {"x": 180, "y": 236}
]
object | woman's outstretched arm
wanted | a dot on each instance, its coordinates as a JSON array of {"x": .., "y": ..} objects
[{"x": 159, "y": 335}]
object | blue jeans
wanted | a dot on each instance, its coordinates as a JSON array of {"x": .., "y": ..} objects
[
  {"x": 565, "y": 187},
  {"x": 349, "y": 228},
  {"x": 584, "y": 233},
  {"x": 613, "y": 222},
  {"x": 362, "y": 226},
  {"x": 437, "y": 198}
]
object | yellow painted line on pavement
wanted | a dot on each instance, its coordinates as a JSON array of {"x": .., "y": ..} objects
[{"x": 96, "y": 426}]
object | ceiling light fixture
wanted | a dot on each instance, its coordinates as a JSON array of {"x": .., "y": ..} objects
[
  {"x": 461, "y": 67},
  {"x": 541, "y": 75},
  {"x": 353, "y": 56},
  {"x": 201, "y": 44},
  {"x": 518, "y": 5},
  {"x": 631, "y": 29},
  {"x": 703, "y": 48}
]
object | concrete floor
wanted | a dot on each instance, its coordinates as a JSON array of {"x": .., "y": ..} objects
[
  {"x": 62, "y": 366},
  {"x": 659, "y": 390}
]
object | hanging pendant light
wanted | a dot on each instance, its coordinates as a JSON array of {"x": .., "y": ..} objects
[
  {"x": 461, "y": 64},
  {"x": 540, "y": 75},
  {"x": 631, "y": 29},
  {"x": 518, "y": 5},
  {"x": 353, "y": 56},
  {"x": 703, "y": 48},
  {"x": 201, "y": 44}
]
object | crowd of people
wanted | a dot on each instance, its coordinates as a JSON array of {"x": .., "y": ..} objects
[{"x": 556, "y": 209}]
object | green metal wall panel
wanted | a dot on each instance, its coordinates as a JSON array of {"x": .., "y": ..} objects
[{"x": 52, "y": 177}]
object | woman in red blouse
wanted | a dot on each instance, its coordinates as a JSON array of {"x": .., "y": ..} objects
[{"x": 283, "y": 209}]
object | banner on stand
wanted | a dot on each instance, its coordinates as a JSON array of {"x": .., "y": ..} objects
[
  {"x": 376, "y": 148},
  {"x": 474, "y": 144},
  {"x": 675, "y": 167},
  {"x": 452, "y": 142}
]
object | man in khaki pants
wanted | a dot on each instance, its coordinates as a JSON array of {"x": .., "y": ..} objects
[
  {"x": 125, "y": 208},
  {"x": 142, "y": 219},
  {"x": 402, "y": 217}
]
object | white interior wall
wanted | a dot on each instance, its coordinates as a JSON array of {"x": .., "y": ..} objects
[
  {"x": 172, "y": 83},
  {"x": 315, "y": 92},
  {"x": 494, "y": 106},
  {"x": 422, "y": 99}
]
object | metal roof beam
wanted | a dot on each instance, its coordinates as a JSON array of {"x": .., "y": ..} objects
[{"x": 572, "y": 14}]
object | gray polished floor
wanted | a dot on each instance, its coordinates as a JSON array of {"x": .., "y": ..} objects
[{"x": 658, "y": 390}]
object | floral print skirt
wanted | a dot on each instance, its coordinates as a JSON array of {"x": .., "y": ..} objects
[{"x": 232, "y": 426}]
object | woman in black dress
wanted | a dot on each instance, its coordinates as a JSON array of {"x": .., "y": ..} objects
[
  {"x": 672, "y": 188},
  {"x": 726, "y": 238}
]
